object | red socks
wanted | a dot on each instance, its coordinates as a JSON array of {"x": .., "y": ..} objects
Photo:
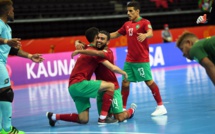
[
  {"x": 130, "y": 111},
  {"x": 68, "y": 117},
  {"x": 125, "y": 93},
  {"x": 107, "y": 100},
  {"x": 156, "y": 93}
]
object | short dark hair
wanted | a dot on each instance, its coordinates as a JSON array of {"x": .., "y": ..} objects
[
  {"x": 134, "y": 4},
  {"x": 90, "y": 33},
  {"x": 4, "y": 6},
  {"x": 106, "y": 33},
  {"x": 183, "y": 37}
]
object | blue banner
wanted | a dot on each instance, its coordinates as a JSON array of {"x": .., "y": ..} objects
[{"x": 161, "y": 55}]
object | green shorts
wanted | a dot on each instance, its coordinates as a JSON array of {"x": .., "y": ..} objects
[
  {"x": 82, "y": 92},
  {"x": 138, "y": 71},
  {"x": 116, "y": 106}
]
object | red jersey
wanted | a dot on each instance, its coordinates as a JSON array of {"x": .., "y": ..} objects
[
  {"x": 137, "y": 51},
  {"x": 84, "y": 67},
  {"x": 103, "y": 73}
]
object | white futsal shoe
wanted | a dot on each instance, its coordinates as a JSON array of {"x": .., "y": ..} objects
[{"x": 160, "y": 110}]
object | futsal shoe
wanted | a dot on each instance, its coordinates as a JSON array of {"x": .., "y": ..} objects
[
  {"x": 160, "y": 110},
  {"x": 12, "y": 131},
  {"x": 51, "y": 121},
  {"x": 133, "y": 106},
  {"x": 107, "y": 120}
]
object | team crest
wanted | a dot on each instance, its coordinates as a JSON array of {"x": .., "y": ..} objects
[{"x": 137, "y": 26}]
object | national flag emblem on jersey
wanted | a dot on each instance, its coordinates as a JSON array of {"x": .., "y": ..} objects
[
  {"x": 137, "y": 26},
  {"x": 149, "y": 26}
]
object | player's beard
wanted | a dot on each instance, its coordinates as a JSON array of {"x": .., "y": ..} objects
[{"x": 102, "y": 47}]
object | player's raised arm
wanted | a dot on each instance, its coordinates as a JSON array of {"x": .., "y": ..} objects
[{"x": 209, "y": 67}]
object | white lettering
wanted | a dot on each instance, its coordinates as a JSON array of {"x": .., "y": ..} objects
[
  {"x": 42, "y": 71},
  {"x": 49, "y": 67},
  {"x": 158, "y": 58},
  {"x": 30, "y": 72},
  {"x": 63, "y": 67}
]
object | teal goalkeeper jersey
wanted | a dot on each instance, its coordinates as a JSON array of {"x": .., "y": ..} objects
[
  {"x": 203, "y": 48},
  {"x": 5, "y": 33}
]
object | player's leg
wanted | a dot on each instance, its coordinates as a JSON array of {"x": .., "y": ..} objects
[
  {"x": 81, "y": 93},
  {"x": 82, "y": 117},
  {"x": 6, "y": 99},
  {"x": 117, "y": 107},
  {"x": 108, "y": 89},
  {"x": 126, "y": 114},
  {"x": 125, "y": 84},
  {"x": 160, "y": 110},
  {"x": 143, "y": 73}
]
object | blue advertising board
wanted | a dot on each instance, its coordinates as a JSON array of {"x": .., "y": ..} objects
[{"x": 161, "y": 55}]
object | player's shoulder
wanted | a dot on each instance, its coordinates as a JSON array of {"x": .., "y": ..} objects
[
  {"x": 145, "y": 20},
  {"x": 91, "y": 48},
  {"x": 108, "y": 50},
  {"x": 2, "y": 23}
]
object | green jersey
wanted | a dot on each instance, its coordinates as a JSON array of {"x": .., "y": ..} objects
[{"x": 203, "y": 48}]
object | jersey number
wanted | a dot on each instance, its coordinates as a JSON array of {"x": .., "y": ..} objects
[
  {"x": 141, "y": 72},
  {"x": 130, "y": 31}
]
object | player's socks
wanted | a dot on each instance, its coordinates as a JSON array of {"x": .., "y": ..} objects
[
  {"x": 106, "y": 102},
  {"x": 156, "y": 93},
  {"x": 73, "y": 117},
  {"x": 125, "y": 93},
  {"x": 131, "y": 110}
]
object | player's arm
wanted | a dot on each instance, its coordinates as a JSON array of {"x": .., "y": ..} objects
[
  {"x": 79, "y": 45},
  {"x": 114, "y": 35},
  {"x": 142, "y": 36},
  {"x": 114, "y": 68},
  {"x": 34, "y": 57},
  {"x": 15, "y": 42},
  {"x": 99, "y": 53},
  {"x": 209, "y": 67}
]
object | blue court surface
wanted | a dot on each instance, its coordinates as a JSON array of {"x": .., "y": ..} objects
[{"x": 187, "y": 93}]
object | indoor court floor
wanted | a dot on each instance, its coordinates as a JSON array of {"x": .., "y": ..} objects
[{"x": 187, "y": 93}]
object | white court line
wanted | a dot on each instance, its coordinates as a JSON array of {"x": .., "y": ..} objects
[{"x": 78, "y": 132}]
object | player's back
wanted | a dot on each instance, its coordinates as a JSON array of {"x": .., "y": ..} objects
[{"x": 84, "y": 67}]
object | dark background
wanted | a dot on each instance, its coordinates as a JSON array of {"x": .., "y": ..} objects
[{"x": 56, "y": 18}]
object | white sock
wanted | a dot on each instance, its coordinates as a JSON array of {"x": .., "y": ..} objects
[
  {"x": 102, "y": 117},
  {"x": 54, "y": 117}
]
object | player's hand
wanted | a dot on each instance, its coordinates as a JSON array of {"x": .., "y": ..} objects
[
  {"x": 125, "y": 76},
  {"x": 79, "y": 45},
  {"x": 15, "y": 42},
  {"x": 141, "y": 37},
  {"x": 76, "y": 52},
  {"x": 202, "y": 19},
  {"x": 37, "y": 58}
]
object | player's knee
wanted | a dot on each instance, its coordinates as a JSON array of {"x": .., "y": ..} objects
[
  {"x": 148, "y": 83},
  {"x": 83, "y": 121},
  {"x": 6, "y": 94},
  {"x": 111, "y": 86}
]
